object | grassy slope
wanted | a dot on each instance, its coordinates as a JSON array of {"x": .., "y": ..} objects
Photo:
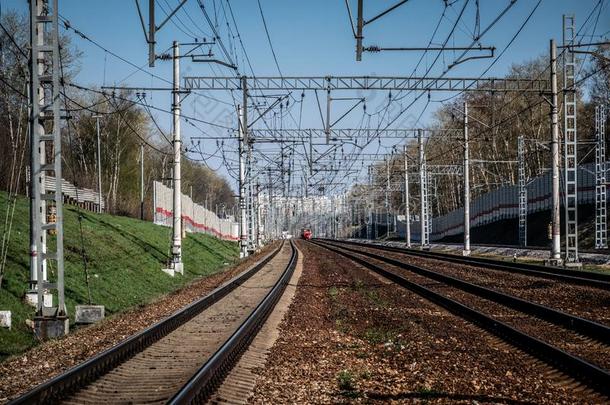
[{"x": 124, "y": 258}]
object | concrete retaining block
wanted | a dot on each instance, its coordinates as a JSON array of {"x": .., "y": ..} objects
[
  {"x": 50, "y": 328},
  {"x": 85, "y": 314},
  {"x": 5, "y": 319},
  {"x": 31, "y": 298}
]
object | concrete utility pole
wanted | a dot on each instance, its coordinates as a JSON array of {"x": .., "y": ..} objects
[
  {"x": 243, "y": 225},
  {"x": 142, "y": 182},
  {"x": 555, "y": 258},
  {"x": 177, "y": 265},
  {"x": 407, "y": 210},
  {"x": 466, "y": 251},
  {"x": 99, "y": 164}
]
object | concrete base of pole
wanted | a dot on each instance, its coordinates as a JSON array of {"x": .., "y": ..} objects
[
  {"x": 51, "y": 327},
  {"x": 553, "y": 262},
  {"x": 31, "y": 298},
  {"x": 465, "y": 252},
  {"x": 5, "y": 319},
  {"x": 86, "y": 314},
  {"x": 576, "y": 265},
  {"x": 168, "y": 271},
  {"x": 178, "y": 267}
]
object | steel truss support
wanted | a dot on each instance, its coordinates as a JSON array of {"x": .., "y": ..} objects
[
  {"x": 46, "y": 205},
  {"x": 250, "y": 201},
  {"x": 601, "y": 224},
  {"x": 407, "y": 209},
  {"x": 522, "y": 191},
  {"x": 570, "y": 142},
  {"x": 338, "y": 134},
  {"x": 394, "y": 83},
  {"x": 424, "y": 216}
]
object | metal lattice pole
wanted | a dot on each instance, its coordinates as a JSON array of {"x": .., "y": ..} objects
[
  {"x": 45, "y": 136},
  {"x": 387, "y": 199},
  {"x": 601, "y": 224},
  {"x": 407, "y": 210},
  {"x": 423, "y": 195},
  {"x": 570, "y": 142},
  {"x": 522, "y": 191}
]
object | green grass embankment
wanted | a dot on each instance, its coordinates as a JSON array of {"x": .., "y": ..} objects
[{"x": 124, "y": 258}]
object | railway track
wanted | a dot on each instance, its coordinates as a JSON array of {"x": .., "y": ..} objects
[
  {"x": 576, "y": 346},
  {"x": 598, "y": 280},
  {"x": 183, "y": 358}
]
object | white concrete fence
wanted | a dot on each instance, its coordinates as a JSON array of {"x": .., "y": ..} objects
[
  {"x": 83, "y": 197},
  {"x": 503, "y": 203},
  {"x": 195, "y": 218}
]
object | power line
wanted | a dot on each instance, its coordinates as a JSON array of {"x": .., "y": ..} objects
[{"x": 260, "y": 8}]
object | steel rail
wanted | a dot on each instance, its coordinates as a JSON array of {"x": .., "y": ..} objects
[
  {"x": 579, "y": 369},
  {"x": 581, "y": 277},
  {"x": 205, "y": 381},
  {"x": 90, "y": 370},
  {"x": 578, "y": 324}
]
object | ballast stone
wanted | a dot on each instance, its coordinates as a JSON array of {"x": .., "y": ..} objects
[{"x": 86, "y": 314}]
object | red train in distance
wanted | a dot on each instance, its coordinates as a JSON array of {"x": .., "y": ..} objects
[{"x": 306, "y": 233}]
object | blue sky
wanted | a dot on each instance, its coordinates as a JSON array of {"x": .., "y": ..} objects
[{"x": 310, "y": 38}]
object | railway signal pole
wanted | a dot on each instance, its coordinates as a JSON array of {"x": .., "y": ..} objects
[{"x": 466, "y": 251}]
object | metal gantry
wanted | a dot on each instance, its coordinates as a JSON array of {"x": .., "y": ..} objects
[
  {"x": 338, "y": 134},
  {"x": 522, "y": 191},
  {"x": 46, "y": 210},
  {"x": 325, "y": 83},
  {"x": 601, "y": 223},
  {"x": 570, "y": 142}
]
